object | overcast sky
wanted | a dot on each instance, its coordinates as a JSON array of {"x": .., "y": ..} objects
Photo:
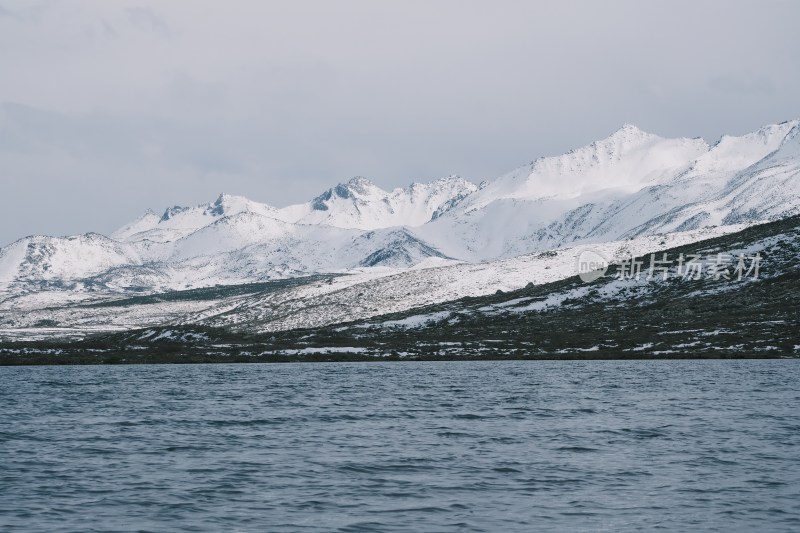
[{"x": 110, "y": 107}]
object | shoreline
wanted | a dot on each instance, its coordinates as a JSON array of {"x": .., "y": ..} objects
[{"x": 191, "y": 359}]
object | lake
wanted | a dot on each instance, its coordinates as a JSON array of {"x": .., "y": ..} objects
[{"x": 416, "y": 446}]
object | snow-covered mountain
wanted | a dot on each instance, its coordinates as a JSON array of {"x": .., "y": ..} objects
[
  {"x": 178, "y": 222},
  {"x": 357, "y": 204},
  {"x": 630, "y": 184}
]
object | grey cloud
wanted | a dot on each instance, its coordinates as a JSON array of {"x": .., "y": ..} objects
[
  {"x": 278, "y": 100},
  {"x": 109, "y": 29},
  {"x": 146, "y": 19},
  {"x": 733, "y": 83},
  {"x": 21, "y": 13},
  {"x": 8, "y": 13}
]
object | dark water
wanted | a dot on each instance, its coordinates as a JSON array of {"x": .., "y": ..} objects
[{"x": 498, "y": 446}]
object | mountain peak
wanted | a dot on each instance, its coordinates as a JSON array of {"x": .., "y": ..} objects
[
  {"x": 621, "y": 141},
  {"x": 452, "y": 178},
  {"x": 629, "y": 127},
  {"x": 222, "y": 204},
  {"x": 360, "y": 181},
  {"x": 359, "y": 185},
  {"x": 629, "y": 133}
]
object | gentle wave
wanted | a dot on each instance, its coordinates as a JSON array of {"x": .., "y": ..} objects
[{"x": 444, "y": 446}]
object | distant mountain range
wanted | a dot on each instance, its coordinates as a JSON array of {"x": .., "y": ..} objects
[
  {"x": 629, "y": 184},
  {"x": 412, "y": 246}
]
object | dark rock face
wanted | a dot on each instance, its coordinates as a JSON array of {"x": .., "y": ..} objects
[
  {"x": 171, "y": 212},
  {"x": 319, "y": 203}
]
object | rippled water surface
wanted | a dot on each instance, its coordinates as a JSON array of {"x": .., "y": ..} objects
[{"x": 497, "y": 446}]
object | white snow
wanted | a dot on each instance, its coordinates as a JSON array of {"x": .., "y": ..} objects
[
  {"x": 417, "y": 320},
  {"x": 360, "y": 204},
  {"x": 327, "y": 349}
]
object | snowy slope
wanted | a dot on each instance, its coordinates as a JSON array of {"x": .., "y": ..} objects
[
  {"x": 626, "y": 161},
  {"x": 56, "y": 259},
  {"x": 363, "y": 293},
  {"x": 769, "y": 189}
]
